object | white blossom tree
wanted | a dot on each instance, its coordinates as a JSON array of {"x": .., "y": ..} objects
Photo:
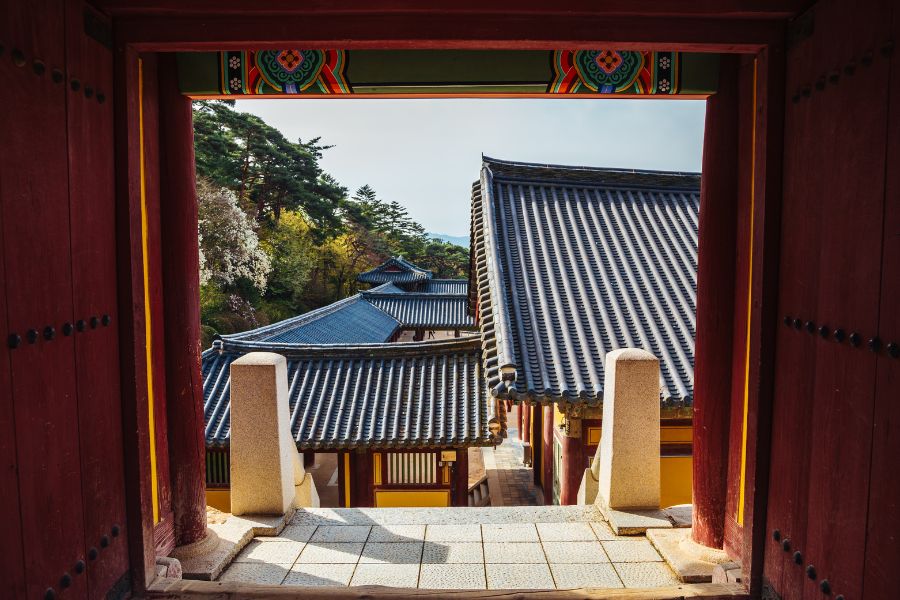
[{"x": 229, "y": 246}]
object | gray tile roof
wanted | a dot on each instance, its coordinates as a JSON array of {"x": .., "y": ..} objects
[
  {"x": 352, "y": 320},
  {"x": 447, "y": 286},
  {"x": 394, "y": 270},
  {"x": 569, "y": 263},
  {"x": 424, "y": 310},
  {"x": 422, "y": 394}
]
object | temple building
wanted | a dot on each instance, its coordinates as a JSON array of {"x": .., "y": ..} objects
[
  {"x": 568, "y": 264},
  {"x": 400, "y": 416}
]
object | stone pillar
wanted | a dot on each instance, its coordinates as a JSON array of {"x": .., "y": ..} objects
[
  {"x": 627, "y": 471},
  {"x": 265, "y": 464}
]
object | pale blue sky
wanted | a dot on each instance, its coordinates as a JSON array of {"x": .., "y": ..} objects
[{"x": 425, "y": 154}]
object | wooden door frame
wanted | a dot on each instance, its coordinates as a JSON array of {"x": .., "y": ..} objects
[{"x": 169, "y": 33}]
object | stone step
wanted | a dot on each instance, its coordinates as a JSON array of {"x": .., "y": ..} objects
[{"x": 446, "y": 516}]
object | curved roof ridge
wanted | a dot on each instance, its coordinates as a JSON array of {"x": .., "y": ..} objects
[
  {"x": 464, "y": 343},
  {"x": 514, "y": 163}
]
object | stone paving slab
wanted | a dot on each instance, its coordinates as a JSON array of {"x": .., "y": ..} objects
[
  {"x": 395, "y": 553},
  {"x": 585, "y": 575},
  {"x": 284, "y": 552},
  {"x": 452, "y": 553},
  {"x": 448, "y": 577},
  {"x": 405, "y": 576},
  {"x": 574, "y": 552},
  {"x": 397, "y": 533},
  {"x": 331, "y": 552},
  {"x": 333, "y": 575},
  {"x": 631, "y": 551},
  {"x": 509, "y": 532},
  {"x": 637, "y": 575},
  {"x": 514, "y": 552},
  {"x": 566, "y": 532},
  {"x": 512, "y": 577}
]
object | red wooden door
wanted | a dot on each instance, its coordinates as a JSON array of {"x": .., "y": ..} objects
[
  {"x": 62, "y": 476},
  {"x": 830, "y": 279},
  {"x": 883, "y": 531},
  {"x": 94, "y": 291},
  {"x": 34, "y": 201}
]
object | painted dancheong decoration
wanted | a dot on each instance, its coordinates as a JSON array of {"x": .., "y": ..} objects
[
  {"x": 283, "y": 72},
  {"x": 334, "y": 72},
  {"x": 615, "y": 72}
]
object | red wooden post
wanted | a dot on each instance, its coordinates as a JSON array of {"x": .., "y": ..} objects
[
  {"x": 715, "y": 304},
  {"x": 181, "y": 280},
  {"x": 537, "y": 443},
  {"x": 461, "y": 478},
  {"x": 547, "y": 485},
  {"x": 572, "y": 469},
  {"x": 362, "y": 493},
  {"x": 525, "y": 410}
]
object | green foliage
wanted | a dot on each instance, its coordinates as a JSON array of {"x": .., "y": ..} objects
[{"x": 278, "y": 235}]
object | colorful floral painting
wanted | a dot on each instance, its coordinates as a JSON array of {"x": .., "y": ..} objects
[
  {"x": 614, "y": 72},
  {"x": 283, "y": 72}
]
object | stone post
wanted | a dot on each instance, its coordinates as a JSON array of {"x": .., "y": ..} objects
[
  {"x": 265, "y": 464},
  {"x": 627, "y": 468}
]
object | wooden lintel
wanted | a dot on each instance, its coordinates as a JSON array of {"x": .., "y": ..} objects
[
  {"x": 437, "y": 31},
  {"x": 182, "y": 589}
]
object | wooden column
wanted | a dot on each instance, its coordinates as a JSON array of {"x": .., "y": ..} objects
[
  {"x": 572, "y": 469},
  {"x": 547, "y": 440},
  {"x": 461, "y": 478},
  {"x": 181, "y": 302},
  {"x": 362, "y": 494},
  {"x": 525, "y": 410},
  {"x": 537, "y": 443},
  {"x": 715, "y": 303}
]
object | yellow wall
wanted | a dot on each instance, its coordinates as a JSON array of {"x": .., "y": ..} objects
[
  {"x": 411, "y": 498},
  {"x": 675, "y": 480},
  {"x": 219, "y": 499},
  {"x": 559, "y": 418}
]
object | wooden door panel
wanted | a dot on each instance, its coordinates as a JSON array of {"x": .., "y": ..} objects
[
  {"x": 849, "y": 282},
  {"x": 36, "y": 245},
  {"x": 830, "y": 276},
  {"x": 797, "y": 300},
  {"x": 882, "y": 544},
  {"x": 92, "y": 199}
]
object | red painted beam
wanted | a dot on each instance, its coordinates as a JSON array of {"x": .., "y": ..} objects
[
  {"x": 181, "y": 280},
  {"x": 715, "y": 303},
  {"x": 436, "y": 31},
  {"x": 645, "y": 8}
]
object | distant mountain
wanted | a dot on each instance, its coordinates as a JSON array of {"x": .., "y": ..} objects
[{"x": 459, "y": 240}]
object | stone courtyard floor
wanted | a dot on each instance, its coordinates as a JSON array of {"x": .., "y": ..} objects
[{"x": 543, "y": 547}]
